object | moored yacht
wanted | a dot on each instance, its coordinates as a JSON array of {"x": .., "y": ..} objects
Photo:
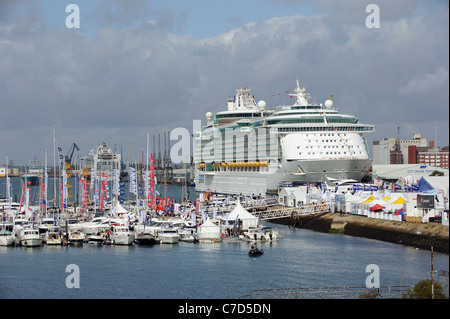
[
  {"x": 261, "y": 233},
  {"x": 169, "y": 235},
  {"x": 19, "y": 225},
  {"x": 6, "y": 238},
  {"x": 96, "y": 240},
  {"x": 30, "y": 237},
  {"x": 143, "y": 235},
  {"x": 53, "y": 236},
  {"x": 188, "y": 233},
  {"x": 122, "y": 235},
  {"x": 76, "y": 238}
]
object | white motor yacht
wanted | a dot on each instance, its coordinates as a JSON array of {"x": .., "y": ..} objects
[
  {"x": 188, "y": 234},
  {"x": 6, "y": 238},
  {"x": 19, "y": 225},
  {"x": 143, "y": 235},
  {"x": 121, "y": 235},
  {"x": 100, "y": 224},
  {"x": 169, "y": 235},
  {"x": 76, "y": 238},
  {"x": 96, "y": 240},
  {"x": 30, "y": 238},
  {"x": 53, "y": 236},
  {"x": 261, "y": 233}
]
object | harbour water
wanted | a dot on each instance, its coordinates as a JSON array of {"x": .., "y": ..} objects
[
  {"x": 303, "y": 258},
  {"x": 176, "y": 192}
]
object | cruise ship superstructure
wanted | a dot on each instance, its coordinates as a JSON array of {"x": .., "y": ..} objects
[{"x": 252, "y": 150}]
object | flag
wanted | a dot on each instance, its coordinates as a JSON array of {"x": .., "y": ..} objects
[
  {"x": 193, "y": 221},
  {"x": 92, "y": 177},
  {"x": 133, "y": 187},
  {"x": 408, "y": 180},
  {"x": 152, "y": 179},
  {"x": 43, "y": 197},
  {"x": 116, "y": 182},
  {"x": 204, "y": 216}
]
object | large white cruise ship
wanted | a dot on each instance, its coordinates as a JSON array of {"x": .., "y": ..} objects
[{"x": 251, "y": 150}]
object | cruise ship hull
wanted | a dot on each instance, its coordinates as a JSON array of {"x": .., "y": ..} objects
[
  {"x": 328, "y": 170},
  {"x": 288, "y": 172}
]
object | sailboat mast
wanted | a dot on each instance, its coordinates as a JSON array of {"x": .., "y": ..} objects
[
  {"x": 7, "y": 189},
  {"x": 54, "y": 165},
  {"x": 41, "y": 181},
  {"x": 136, "y": 180},
  {"x": 146, "y": 174},
  {"x": 46, "y": 183},
  {"x": 185, "y": 181}
]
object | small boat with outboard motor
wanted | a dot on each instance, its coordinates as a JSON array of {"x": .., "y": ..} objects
[{"x": 255, "y": 251}]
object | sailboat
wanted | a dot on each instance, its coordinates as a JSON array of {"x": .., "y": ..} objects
[{"x": 6, "y": 235}]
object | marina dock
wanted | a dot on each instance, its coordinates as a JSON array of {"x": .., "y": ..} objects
[{"x": 278, "y": 212}]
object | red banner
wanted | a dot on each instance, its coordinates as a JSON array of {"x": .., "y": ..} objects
[{"x": 151, "y": 182}]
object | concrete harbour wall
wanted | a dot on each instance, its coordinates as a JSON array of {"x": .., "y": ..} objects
[{"x": 417, "y": 235}]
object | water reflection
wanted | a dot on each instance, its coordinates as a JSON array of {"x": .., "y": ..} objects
[{"x": 302, "y": 258}]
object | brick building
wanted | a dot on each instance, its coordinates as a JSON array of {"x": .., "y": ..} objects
[{"x": 428, "y": 156}]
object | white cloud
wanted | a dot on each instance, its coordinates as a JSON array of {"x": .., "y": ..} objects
[
  {"x": 124, "y": 82},
  {"x": 426, "y": 83}
]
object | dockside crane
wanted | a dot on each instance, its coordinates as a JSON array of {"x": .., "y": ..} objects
[{"x": 69, "y": 155}]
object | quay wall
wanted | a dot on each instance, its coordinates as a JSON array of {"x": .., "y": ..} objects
[{"x": 417, "y": 235}]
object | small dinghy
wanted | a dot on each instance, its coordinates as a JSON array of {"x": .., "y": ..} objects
[{"x": 254, "y": 252}]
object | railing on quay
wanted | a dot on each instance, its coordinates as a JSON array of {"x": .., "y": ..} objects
[
  {"x": 384, "y": 292},
  {"x": 292, "y": 211}
]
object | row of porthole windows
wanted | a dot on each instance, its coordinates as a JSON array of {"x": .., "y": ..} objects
[
  {"x": 330, "y": 146},
  {"x": 330, "y": 153},
  {"x": 327, "y": 141},
  {"x": 329, "y": 134}
]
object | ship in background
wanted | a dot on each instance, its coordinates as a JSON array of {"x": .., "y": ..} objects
[
  {"x": 34, "y": 172},
  {"x": 251, "y": 150}
]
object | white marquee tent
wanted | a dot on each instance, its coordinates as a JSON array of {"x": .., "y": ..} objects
[
  {"x": 240, "y": 213},
  {"x": 208, "y": 231}
]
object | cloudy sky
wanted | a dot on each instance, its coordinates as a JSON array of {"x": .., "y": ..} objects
[{"x": 141, "y": 66}]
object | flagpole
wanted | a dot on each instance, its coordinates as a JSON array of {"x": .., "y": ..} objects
[
  {"x": 7, "y": 189},
  {"x": 46, "y": 183},
  {"x": 8, "y": 186},
  {"x": 54, "y": 166},
  {"x": 136, "y": 179},
  {"x": 146, "y": 175}
]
